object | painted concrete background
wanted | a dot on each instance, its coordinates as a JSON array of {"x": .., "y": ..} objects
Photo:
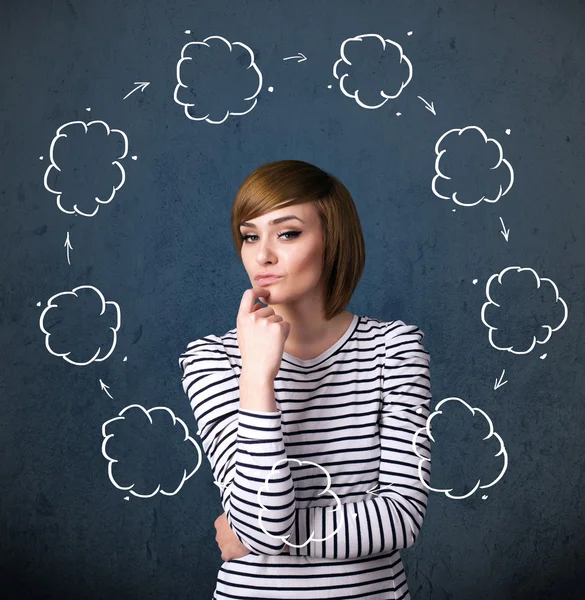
[{"x": 126, "y": 129}]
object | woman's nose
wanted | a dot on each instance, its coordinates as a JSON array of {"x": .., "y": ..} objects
[{"x": 264, "y": 252}]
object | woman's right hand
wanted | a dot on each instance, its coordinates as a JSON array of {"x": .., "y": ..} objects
[{"x": 261, "y": 335}]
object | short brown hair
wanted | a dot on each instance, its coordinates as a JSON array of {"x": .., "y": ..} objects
[{"x": 287, "y": 182}]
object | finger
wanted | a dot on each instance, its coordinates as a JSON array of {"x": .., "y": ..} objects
[
  {"x": 249, "y": 298},
  {"x": 258, "y": 306},
  {"x": 264, "y": 312},
  {"x": 260, "y": 292}
]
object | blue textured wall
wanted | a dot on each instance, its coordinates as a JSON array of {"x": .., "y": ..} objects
[{"x": 160, "y": 251}]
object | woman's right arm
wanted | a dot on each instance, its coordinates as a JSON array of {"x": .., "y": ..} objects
[{"x": 241, "y": 444}]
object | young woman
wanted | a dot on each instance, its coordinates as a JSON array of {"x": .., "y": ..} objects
[{"x": 304, "y": 407}]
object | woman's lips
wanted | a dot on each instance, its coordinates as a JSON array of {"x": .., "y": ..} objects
[{"x": 267, "y": 280}]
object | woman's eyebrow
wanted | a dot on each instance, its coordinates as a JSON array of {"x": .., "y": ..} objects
[{"x": 273, "y": 222}]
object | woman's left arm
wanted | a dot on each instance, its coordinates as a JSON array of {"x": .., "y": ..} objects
[{"x": 392, "y": 519}]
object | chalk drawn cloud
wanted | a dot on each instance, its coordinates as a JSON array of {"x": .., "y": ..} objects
[
  {"x": 474, "y": 420},
  {"x": 149, "y": 451},
  {"x": 470, "y": 167},
  {"x": 216, "y": 64},
  {"x": 79, "y": 317},
  {"x": 326, "y": 490},
  {"x": 88, "y": 171},
  {"x": 523, "y": 309},
  {"x": 353, "y": 78}
]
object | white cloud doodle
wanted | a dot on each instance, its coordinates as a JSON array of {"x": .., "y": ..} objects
[
  {"x": 68, "y": 315},
  {"x": 72, "y": 140},
  {"x": 483, "y": 422},
  {"x": 326, "y": 490},
  {"x": 522, "y": 310},
  {"x": 231, "y": 66},
  {"x": 450, "y": 147},
  {"x": 143, "y": 444},
  {"x": 351, "y": 80}
]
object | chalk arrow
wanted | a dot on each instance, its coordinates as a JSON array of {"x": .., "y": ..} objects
[
  {"x": 506, "y": 232},
  {"x": 500, "y": 383},
  {"x": 374, "y": 492},
  {"x": 68, "y": 245},
  {"x": 430, "y": 107},
  {"x": 297, "y": 56},
  {"x": 139, "y": 84},
  {"x": 105, "y": 388}
]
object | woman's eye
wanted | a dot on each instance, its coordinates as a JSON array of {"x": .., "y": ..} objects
[{"x": 246, "y": 236}]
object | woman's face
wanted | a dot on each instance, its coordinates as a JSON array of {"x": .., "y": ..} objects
[{"x": 291, "y": 249}]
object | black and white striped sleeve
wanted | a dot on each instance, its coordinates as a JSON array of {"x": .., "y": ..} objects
[
  {"x": 241, "y": 447},
  {"x": 392, "y": 519}
]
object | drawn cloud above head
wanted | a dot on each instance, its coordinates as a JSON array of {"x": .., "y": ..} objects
[
  {"x": 217, "y": 65},
  {"x": 356, "y": 53}
]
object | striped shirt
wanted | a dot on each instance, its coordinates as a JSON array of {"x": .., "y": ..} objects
[{"x": 342, "y": 437}]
